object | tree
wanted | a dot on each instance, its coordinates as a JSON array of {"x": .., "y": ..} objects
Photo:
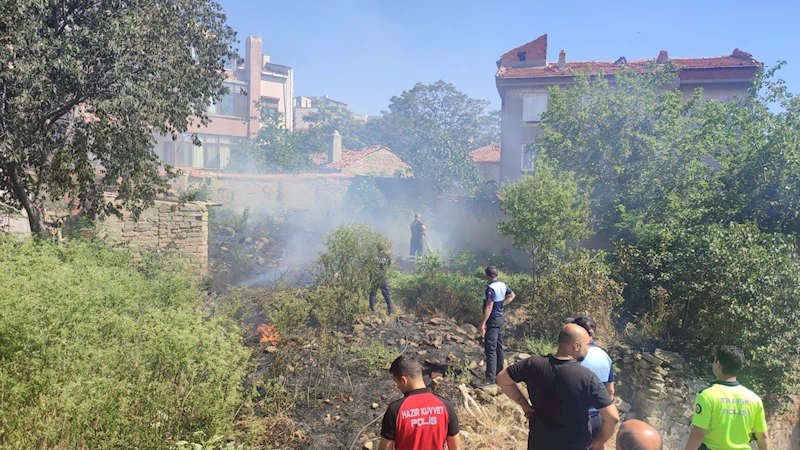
[
  {"x": 274, "y": 150},
  {"x": 546, "y": 212},
  {"x": 639, "y": 148},
  {"x": 434, "y": 127},
  {"x": 84, "y": 87},
  {"x": 328, "y": 119}
]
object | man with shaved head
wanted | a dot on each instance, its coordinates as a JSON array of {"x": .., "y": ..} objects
[
  {"x": 637, "y": 435},
  {"x": 561, "y": 392}
]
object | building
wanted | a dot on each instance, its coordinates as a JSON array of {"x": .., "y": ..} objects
[
  {"x": 376, "y": 161},
  {"x": 235, "y": 116},
  {"x": 488, "y": 161},
  {"x": 304, "y": 106},
  {"x": 524, "y": 77}
]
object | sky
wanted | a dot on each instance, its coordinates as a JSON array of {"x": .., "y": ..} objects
[{"x": 363, "y": 52}]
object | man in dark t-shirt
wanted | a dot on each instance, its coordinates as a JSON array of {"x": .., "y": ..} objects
[
  {"x": 417, "y": 236},
  {"x": 560, "y": 392},
  {"x": 420, "y": 420}
]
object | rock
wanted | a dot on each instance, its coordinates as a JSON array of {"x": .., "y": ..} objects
[
  {"x": 438, "y": 321},
  {"x": 651, "y": 359},
  {"x": 290, "y": 368},
  {"x": 660, "y": 370},
  {"x": 271, "y": 349},
  {"x": 436, "y": 382},
  {"x": 261, "y": 261},
  {"x": 669, "y": 357},
  {"x": 401, "y": 341},
  {"x": 327, "y": 419},
  {"x": 622, "y": 405},
  {"x": 652, "y": 392},
  {"x": 375, "y": 405},
  {"x": 452, "y": 357},
  {"x": 523, "y": 356},
  {"x": 337, "y": 417},
  {"x": 637, "y": 357},
  {"x": 422, "y": 352},
  {"x": 654, "y": 376},
  {"x": 655, "y": 422},
  {"x": 657, "y": 385},
  {"x": 391, "y": 342},
  {"x": 358, "y": 328},
  {"x": 461, "y": 330},
  {"x": 470, "y": 329},
  {"x": 248, "y": 240},
  {"x": 642, "y": 364},
  {"x": 491, "y": 390},
  {"x": 473, "y": 364},
  {"x": 367, "y": 446},
  {"x": 413, "y": 344}
]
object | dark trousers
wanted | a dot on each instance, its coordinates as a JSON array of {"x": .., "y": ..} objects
[
  {"x": 493, "y": 345},
  {"x": 416, "y": 248},
  {"x": 386, "y": 296}
]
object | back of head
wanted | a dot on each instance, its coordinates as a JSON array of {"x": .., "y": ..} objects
[
  {"x": 405, "y": 366},
  {"x": 637, "y": 435},
  {"x": 731, "y": 358},
  {"x": 570, "y": 334},
  {"x": 417, "y": 216},
  {"x": 584, "y": 321},
  {"x": 491, "y": 271}
]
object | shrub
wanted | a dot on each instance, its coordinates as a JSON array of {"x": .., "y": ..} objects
[
  {"x": 289, "y": 313},
  {"x": 581, "y": 286},
  {"x": 101, "y": 350}
]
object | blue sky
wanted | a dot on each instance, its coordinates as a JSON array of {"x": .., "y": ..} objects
[{"x": 363, "y": 52}]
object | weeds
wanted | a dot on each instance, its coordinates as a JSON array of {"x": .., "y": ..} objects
[{"x": 377, "y": 356}]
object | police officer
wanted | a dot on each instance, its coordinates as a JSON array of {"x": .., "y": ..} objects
[{"x": 726, "y": 413}]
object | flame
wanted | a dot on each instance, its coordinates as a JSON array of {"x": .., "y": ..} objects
[{"x": 269, "y": 335}]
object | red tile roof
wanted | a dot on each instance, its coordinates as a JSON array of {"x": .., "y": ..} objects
[
  {"x": 490, "y": 154},
  {"x": 348, "y": 157},
  {"x": 738, "y": 59}
]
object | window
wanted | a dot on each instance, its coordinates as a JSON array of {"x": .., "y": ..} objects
[
  {"x": 169, "y": 153},
  {"x": 527, "y": 160},
  {"x": 533, "y": 105},
  {"x": 214, "y": 152},
  {"x": 234, "y": 103}
]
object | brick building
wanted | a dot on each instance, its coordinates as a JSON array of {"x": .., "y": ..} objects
[
  {"x": 524, "y": 77},
  {"x": 235, "y": 116}
]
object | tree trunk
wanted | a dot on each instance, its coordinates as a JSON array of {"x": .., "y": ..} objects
[{"x": 35, "y": 207}]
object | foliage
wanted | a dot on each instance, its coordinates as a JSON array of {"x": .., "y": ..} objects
[
  {"x": 546, "y": 213},
  {"x": 377, "y": 356},
  {"x": 734, "y": 285},
  {"x": 289, "y": 312},
  {"x": 355, "y": 132},
  {"x": 200, "y": 193},
  {"x": 87, "y": 85},
  {"x": 581, "y": 286},
  {"x": 637, "y": 147},
  {"x": 274, "y": 150},
  {"x": 104, "y": 350},
  {"x": 200, "y": 442},
  {"x": 541, "y": 345},
  {"x": 433, "y": 128},
  {"x": 351, "y": 259},
  {"x": 759, "y": 177}
]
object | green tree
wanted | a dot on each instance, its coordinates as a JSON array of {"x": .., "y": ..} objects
[
  {"x": 434, "y": 127},
  {"x": 546, "y": 213},
  {"x": 274, "y": 149},
  {"x": 328, "y": 119},
  {"x": 85, "y": 85},
  {"x": 639, "y": 148}
]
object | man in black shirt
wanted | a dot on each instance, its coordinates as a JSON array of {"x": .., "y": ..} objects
[
  {"x": 417, "y": 236},
  {"x": 561, "y": 391}
]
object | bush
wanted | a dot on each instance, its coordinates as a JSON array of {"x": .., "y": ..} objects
[
  {"x": 289, "y": 313},
  {"x": 99, "y": 350},
  {"x": 581, "y": 286}
]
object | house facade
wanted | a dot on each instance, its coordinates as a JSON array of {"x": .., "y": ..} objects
[
  {"x": 524, "y": 77},
  {"x": 235, "y": 116}
]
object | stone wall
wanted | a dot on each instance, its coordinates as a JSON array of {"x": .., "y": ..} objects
[
  {"x": 659, "y": 388},
  {"x": 169, "y": 226}
]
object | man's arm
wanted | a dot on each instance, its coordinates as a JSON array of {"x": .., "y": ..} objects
[
  {"x": 510, "y": 388},
  {"x": 454, "y": 442},
  {"x": 509, "y": 297},
  {"x": 610, "y": 388},
  {"x": 610, "y": 417},
  {"x": 386, "y": 444},
  {"x": 696, "y": 438},
  {"x": 762, "y": 440},
  {"x": 487, "y": 311}
]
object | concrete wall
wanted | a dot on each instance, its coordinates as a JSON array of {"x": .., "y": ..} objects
[{"x": 181, "y": 228}]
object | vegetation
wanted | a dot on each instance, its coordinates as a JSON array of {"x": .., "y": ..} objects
[
  {"x": 546, "y": 213},
  {"x": 86, "y": 86},
  {"x": 101, "y": 350},
  {"x": 274, "y": 150}
]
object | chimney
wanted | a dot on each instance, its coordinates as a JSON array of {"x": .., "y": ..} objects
[
  {"x": 264, "y": 59},
  {"x": 562, "y": 60},
  {"x": 252, "y": 59},
  {"x": 335, "y": 149},
  {"x": 662, "y": 57}
]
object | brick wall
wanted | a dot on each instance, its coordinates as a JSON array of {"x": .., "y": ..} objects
[{"x": 181, "y": 228}]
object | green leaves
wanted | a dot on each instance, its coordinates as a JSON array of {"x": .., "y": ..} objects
[
  {"x": 546, "y": 213},
  {"x": 84, "y": 89}
]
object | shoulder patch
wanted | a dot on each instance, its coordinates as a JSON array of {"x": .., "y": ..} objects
[{"x": 697, "y": 408}]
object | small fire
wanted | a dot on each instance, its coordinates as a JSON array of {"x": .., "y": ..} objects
[{"x": 269, "y": 335}]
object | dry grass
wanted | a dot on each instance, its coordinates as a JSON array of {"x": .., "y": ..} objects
[{"x": 496, "y": 425}]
